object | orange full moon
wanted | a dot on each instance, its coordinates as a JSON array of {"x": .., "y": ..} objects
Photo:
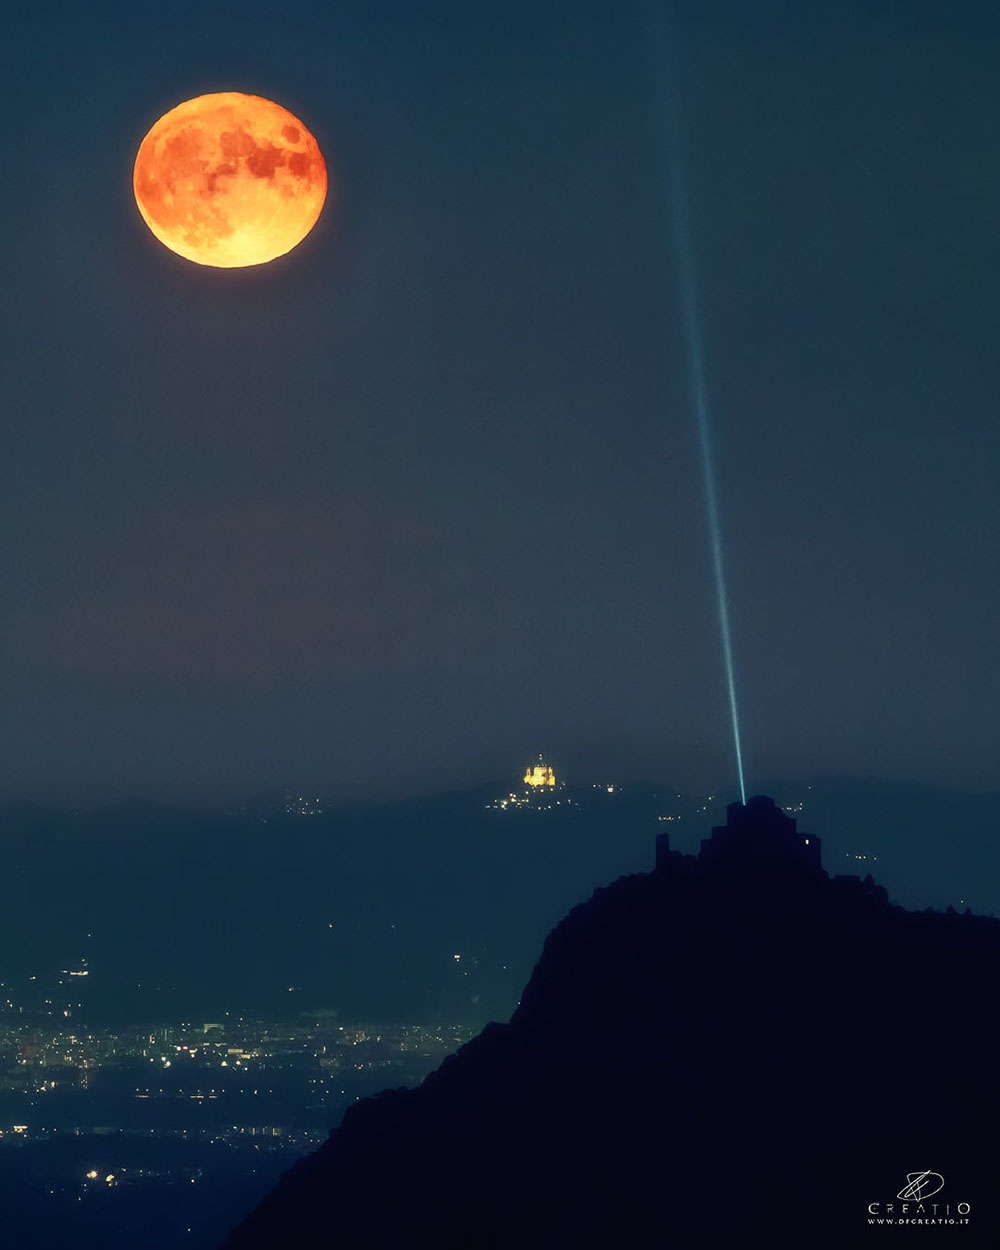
[{"x": 229, "y": 180}]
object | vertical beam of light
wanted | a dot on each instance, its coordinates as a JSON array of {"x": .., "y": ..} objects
[{"x": 688, "y": 292}]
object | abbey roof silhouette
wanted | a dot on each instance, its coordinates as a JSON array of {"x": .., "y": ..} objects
[{"x": 757, "y": 830}]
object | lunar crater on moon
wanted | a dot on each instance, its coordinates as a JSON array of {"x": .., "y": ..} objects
[{"x": 230, "y": 180}]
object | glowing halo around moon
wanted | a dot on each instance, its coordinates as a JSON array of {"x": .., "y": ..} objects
[{"x": 229, "y": 180}]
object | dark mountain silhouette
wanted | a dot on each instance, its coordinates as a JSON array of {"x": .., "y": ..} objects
[{"x": 731, "y": 1050}]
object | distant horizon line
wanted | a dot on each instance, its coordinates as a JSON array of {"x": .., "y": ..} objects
[{"x": 358, "y": 796}]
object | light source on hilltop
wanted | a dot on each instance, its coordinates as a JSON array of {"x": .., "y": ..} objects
[
  {"x": 540, "y": 774},
  {"x": 539, "y": 792}
]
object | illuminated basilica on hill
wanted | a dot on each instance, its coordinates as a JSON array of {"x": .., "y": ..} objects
[
  {"x": 539, "y": 793},
  {"x": 540, "y": 774}
]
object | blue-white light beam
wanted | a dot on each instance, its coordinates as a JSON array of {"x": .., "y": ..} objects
[{"x": 688, "y": 292}]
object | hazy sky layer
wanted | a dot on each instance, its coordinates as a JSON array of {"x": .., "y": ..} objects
[{"x": 423, "y": 497}]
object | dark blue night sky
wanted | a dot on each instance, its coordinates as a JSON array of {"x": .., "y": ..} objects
[{"x": 423, "y": 497}]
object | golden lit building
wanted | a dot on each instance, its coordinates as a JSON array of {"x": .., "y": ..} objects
[
  {"x": 539, "y": 793},
  {"x": 539, "y": 775}
]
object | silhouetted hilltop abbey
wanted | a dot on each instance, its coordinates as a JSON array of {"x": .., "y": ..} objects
[
  {"x": 757, "y": 834},
  {"x": 730, "y": 1050}
]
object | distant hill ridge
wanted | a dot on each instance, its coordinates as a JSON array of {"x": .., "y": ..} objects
[{"x": 735, "y": 1049}]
